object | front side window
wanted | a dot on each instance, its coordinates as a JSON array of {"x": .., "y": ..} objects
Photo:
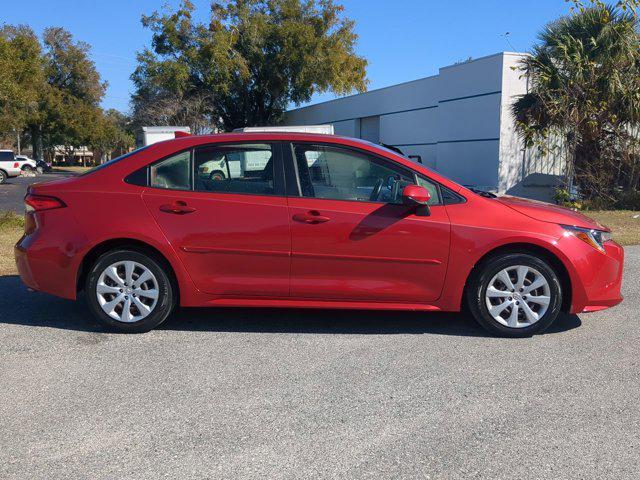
[
  {"x": 172, "y": 173},
  {"x": 237, "y": 168},
  {"x": 341, "y": 174},
  {"x": 433, "y": 189}
]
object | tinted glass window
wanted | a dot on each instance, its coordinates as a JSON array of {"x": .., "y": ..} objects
[
  {"x": 433, "y": 189},
  {"x": 173, "y": 172},
  {"x": 113, "y": 161},
  {"x": 238, "y": 168},
  {"x": 6, "y": 156},
  {"x": 342, "y": 174}
]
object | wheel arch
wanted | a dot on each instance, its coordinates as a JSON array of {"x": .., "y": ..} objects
[
  {"x": 124, "y": 243},
  {"x": 529, "y": 248}
]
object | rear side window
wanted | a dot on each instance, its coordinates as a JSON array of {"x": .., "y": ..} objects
[
  {"x": 172, "y": 173},
  {"x": 6, "y": 157},
  {"x": 235, "y": 168}
]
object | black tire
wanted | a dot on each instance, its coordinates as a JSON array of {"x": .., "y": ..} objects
[
  {"x": 479, "y": 282},
  {"x": 3, "y": 177},
  {"x": 166, "y": 291},
  {"x": 217, "y": 175}
]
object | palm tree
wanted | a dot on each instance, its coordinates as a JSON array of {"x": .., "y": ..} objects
[{"x": 584, "y": 79}]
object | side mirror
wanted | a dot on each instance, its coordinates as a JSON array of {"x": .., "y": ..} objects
[{"x": 415, "y": 196}]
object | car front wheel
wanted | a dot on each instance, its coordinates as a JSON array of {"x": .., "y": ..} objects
[
  {"x": 129, "y": 291},
  {"x": 515, "y": 295}
]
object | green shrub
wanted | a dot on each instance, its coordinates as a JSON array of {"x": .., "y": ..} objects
[{"x": 11, "y": 220}]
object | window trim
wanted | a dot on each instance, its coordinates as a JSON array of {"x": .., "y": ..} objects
[
  {"x": 386, "y": 162},
  {"x": 278, "y": 169}
]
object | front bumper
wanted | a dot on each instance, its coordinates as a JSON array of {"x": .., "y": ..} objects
[{"x": 597, "y": 277}]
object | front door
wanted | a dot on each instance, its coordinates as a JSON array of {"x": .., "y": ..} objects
[
  {"x": 223, "y": 210},
  {"x": 352, "y": 239}
]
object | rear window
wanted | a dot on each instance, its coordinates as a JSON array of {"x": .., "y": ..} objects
[
  {"x": 115, "y": 160},
  {"x": 6, "y": 157}
]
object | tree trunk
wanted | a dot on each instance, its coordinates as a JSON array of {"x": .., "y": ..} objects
[{"x": 36, "y": 141}]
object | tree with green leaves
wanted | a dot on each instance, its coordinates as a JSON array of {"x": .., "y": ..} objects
[
  {"x": 22, "y": 78},
  {"x": 584, "y": 79},
  {"x": 72, "y": 94},
  {"x": 115, "y": 135},
  {"x": 247, "y": 64},
  {"x": 631, "y": 6},
  {"x": 51, "y": 94}
]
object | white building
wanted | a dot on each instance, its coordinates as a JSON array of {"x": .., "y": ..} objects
[{"x": 458, "y": 121}]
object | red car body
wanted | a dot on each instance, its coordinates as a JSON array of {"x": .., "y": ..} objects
[{"x": 254, "y": 250}]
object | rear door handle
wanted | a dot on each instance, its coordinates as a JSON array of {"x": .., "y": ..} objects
[
  {"x": 311, "y": 217},
  {"x": 178, "y": 207}
]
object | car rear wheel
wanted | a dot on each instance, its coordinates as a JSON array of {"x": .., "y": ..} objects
[
  {"x": 3, "y": 176},
  {"x": 129, "y": 291},
  {"x": 515, "y": 295}
]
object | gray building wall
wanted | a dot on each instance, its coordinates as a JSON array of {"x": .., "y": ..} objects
[{"x": 458, "y": 121}]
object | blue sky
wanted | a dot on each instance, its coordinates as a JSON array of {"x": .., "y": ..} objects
[{"x": 402, "y": 39}]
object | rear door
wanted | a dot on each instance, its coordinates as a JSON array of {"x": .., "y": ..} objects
[
  {"x": 222, "y": 208},
  {"x": 352, "y": 239}
]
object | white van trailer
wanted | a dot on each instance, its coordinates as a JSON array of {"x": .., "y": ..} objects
[
  {"x": 321, "y": 129},
  {"x": 150, "y": 135}
]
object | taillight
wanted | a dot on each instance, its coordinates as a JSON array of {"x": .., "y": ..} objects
[
  {"x": 16, "y": 165},
  {"x": 38, "y": 203}
]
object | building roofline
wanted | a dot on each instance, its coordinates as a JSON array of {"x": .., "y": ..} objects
[
  {"x": 406, "y": 82},
  {"x": 364, "y": 93},
  {"x": 486, "y": 57}
]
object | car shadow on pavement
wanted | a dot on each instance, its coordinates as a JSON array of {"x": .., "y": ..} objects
[{"x": 18, "y": 306}]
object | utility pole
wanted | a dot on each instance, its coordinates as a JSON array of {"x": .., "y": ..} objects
[{"x": 18, "y": 136}]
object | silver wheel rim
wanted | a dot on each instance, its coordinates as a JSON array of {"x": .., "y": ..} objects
[
  {"x": 127, "y": 291},
  {"x": 518, "y": 296}
]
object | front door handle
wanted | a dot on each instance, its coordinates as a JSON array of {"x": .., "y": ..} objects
[
  {"x": 178, "y": 207},
  {"x": 311, "y": 217}
]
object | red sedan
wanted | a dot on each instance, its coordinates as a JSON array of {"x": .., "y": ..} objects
[{"x": 301, "y": 220}]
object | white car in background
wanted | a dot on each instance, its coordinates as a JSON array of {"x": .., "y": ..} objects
[
  {"x": 9, "y": 166},
  {"x": 26, "y": 164}
]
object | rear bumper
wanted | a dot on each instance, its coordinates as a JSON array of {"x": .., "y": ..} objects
[
  {"x": 40, "y": 272},
  {"x": 24, "y": 270},
  {"x": 598, "y": 279},
  {"x": 44, "y": 262}
]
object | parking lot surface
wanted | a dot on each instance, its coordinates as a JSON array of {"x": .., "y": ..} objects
[
  {"x": 13, "y": 190},
  {"x": 255, "y": 393}
]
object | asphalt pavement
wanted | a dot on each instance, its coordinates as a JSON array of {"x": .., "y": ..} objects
[
  {"x": 256, "y": 393},
  {"x": 13, "y": 190}
]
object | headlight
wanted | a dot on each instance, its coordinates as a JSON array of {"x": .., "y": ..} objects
[{"x": 595, "y": 238}]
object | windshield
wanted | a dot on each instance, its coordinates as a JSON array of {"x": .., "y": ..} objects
[{"x": 114, "y": 160}]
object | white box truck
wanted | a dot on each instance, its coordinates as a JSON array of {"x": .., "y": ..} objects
[{"x": 149, "y": 135}]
